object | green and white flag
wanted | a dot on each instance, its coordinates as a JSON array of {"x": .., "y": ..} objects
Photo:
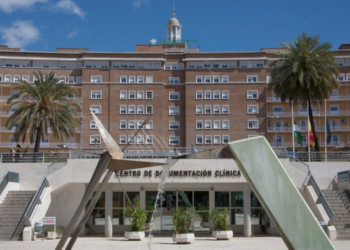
[{"x": 298, "y": 134}]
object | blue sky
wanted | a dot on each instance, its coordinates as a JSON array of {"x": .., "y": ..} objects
[{"x": 219, "y": 25}]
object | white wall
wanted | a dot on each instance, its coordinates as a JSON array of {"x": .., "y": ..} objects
[{"x": 11, "y": 186}]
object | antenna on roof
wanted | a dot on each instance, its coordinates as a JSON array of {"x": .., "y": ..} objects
[{"x": 174, "y": 8}]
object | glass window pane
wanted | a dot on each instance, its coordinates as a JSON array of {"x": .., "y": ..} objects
[
  {"x": 254, "y": 201},
  {"x": 168, "y": 201},
  {"x": 222, "y": 199},
  {"x": 237, "y": 217},
  {"x": 256, "y": 216},
  {"x": 236, "y": 199},
  {"x": 201, "y": 200},
  {"x": 185, "y": 199},
  {"x": 118, "y": 216},
  {"x": 101, "y": 201},
  {"x": 118, "y": 200},
  {"x": 132, "y": 196},
  {"x": 98, "y": 216}
]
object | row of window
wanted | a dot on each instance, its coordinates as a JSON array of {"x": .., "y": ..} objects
[
  {"x": 212, "y": 139},
  {"x": 225, "y": 64},
  {"x": 343, "y": 62},
  {"x": 341, "y": 77},
  {"x": 139, "y": 109},
  {"x": 216, "y": 124},
  {"x": 127, "y": 124},
  {"x": 62, "y": 79},
  {"x": 224, "y": 79},
  {"x": 333, "y": 108},
  {"x": 124, "y": 79},
  {"x": 140, "y": 95},
  {"x": 251, "y": 94},
  {"x": 215, "y": 109}
]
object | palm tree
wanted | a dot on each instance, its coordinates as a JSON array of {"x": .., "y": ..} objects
[
  {"x": 305, "y": 73},
  {"x": 40, "y": 105}
]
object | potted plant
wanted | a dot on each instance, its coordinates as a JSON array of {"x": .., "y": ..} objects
[
  {"x": 221, "y": 223},
  {"x": 183, "y": 219},
  {"x": 204, "y": 216},
  {"x": 137, "y": 217}
]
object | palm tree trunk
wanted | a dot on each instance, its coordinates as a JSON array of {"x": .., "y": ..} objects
[
  {"x": 313, "y": 129},
  {"x": 39, "y": 133}
]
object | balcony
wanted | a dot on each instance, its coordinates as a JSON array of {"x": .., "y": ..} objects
[
  {"x": 42, "y": 145},
  {"x": 331, "y": 98},
  {"x": 304, "y": 114},
  {"x": 290, "y": 144},
  {"x": 305, "y": 129}
]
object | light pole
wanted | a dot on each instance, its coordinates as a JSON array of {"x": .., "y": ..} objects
[
  {"x": 81, "y": 124},
  {"x": 275, "y": 125},
  {"x": 95, "y": 140}
]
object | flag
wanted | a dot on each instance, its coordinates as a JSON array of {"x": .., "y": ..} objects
[
  {"x": 329, "y": 133},
  {"x": 297, "y": 133},
  {"x": 311, "y": 136}
]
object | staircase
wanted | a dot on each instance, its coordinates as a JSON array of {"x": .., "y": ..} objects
[
  {"x": 11, "y": 211},
  {"x": 339, "y": 200}
]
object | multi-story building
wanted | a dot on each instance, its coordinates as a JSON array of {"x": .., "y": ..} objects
[{"x": 191, "y": 97}]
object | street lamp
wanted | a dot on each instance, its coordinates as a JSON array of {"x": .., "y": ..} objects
[{"x": 275, "y": 125}]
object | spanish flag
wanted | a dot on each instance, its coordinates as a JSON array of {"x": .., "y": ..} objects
[{"x": 311, "y": 136}]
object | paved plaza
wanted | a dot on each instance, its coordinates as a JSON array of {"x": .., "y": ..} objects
[{"x": 161, "y": 243}]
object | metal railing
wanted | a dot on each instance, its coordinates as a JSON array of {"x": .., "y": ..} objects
[
  {"x": 321, "y": 199},
  {"x": 315, "y": 156},
  {"x": 8, "y": 177},
  {"x": 344, "y": 176},
  {"x": 26, "y": 216},
  {"x": 40, "y": 157},
  {"x": 57, "y": 165},
  {"x": 295, "y": 162}
]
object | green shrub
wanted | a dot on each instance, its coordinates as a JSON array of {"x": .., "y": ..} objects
[
  {"x": 137, "y": 216},
  {"x": 182, "y": 219},
  {"x": 204, "y": 215},
  {"x": 220, "y": 219}
]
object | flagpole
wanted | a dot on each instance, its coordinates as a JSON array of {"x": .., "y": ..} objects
[
  {"x": 293, "y": 131},
  {"x": 325, "y": 131},
  {"x": 308, "y": 130}
]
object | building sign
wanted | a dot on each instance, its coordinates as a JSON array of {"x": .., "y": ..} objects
[
  {"x": 49, "y": 220},
  {"x": 180, "y": 173}
]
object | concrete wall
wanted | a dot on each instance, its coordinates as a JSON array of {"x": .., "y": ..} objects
[{"x": 11, "y": 186}]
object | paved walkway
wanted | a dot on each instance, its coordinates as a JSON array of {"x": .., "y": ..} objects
[{"x": 161, "y": 243}]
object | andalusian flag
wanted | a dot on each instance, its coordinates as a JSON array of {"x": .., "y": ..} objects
[
  {"x": 297, "y": 133},
  {"x": 311, "y": 136}
]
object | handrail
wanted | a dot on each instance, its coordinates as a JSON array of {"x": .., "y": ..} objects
[
  {"x": 30, "y": 157},
  {"x": 344, "y": 176},
  {"x": 27, "y": 214},
  {"x": 57, "y": 165},
  {"x": 8, "y": 177},
  {"x": 295, "y": 162}
]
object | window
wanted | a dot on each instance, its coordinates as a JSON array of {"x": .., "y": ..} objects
[
  {"x": 149, "y": 109},
  {"x": 341, "y": 78},
  {"x": 8, "y": 78},
  {"x": 216, "y": 125},
  {"x": 149, "y": 94},
  {"x": 277, "y": 110},
  {"x": 224, "y": 65},
  {"x": 199, "y": 94},
  {"x": 131, "y": 109},
  {"x": 191, "y": 65},
  {"x": 131, "y": 124},
  {"x": 131, "y": 140},
  {"x": 123, "y": 79},
  {"x": 70, "y": 79},
  {"x": 149, "y": 125},
  {"x": 207, "y": 125},
  {"x": 96, "y": 79},
  {"x": 206, "y": 65},
  {"x": 208, "y": 139},
  {"x": 207, "y": 109},
  {"x": 122, "y": 94},
  {"x": 132, "y": 94},
  {"x": 174, "y": 96},
  {"x": 140, "y": 110},
  {"x": 199, "y": 65},
  {"x": 225, "y": 139},
  {"x": 122, "y": 109},
  {"x": 96, "y": 109},
  {"x": 122, "y": 124},
  {"x": 216, "y": 94},
  {"x": 95, "y": 139},
  {"x": 199, "y": 139},
  {"x": 252, "y": 124},
  {"x": 348, "y": 77},
  {"x": 93, "y": 125},
  {"x": 199, "y": 124},
  {"x": 24, "y": 78},
  {"x": 251, "y": 64},
  {"x": 174, "y": 110},
  {"x": 131, "y": 79},
  {"x": 139, "y": 124},
  {"x": 199, "y": 109},
  {"x": 174, "y": 125},
  {"x": 62, "y": 79},
  {"x": 217, "y": 139},
  {"x": 252, "y": 109},
  {"x": 122, "y": 139},
  {"x": 216, "y": 109},
  {"x": 225, "y": 125},
  {"x": 340, "y": 62},
  {"x": 104, "y": 65},
  {"x": 79, "y": 79},
  {"x": 140, "y": 79},
  {"x": 216, "y": 79},
  {"x": 216, "y": 65},
  {"x": 224, "y": 79},
  {"x": 16, "y": 78},
  {"x": 334, "y": 109},
  {"x": 140, "y": 139},
  {"x": 225, "y": 109},
  {"x": 169, "y": 66},
  {"x": 252, "y": 78},
  {"x": 252, "y": 94},
  {"x": 232, "y": 64},
  {"x": 149, "y": 79},
  {"x": 199, "y": 79},
  {"x": 149, "y": 139},
  {"x": 8, "y": 64},
  {"x": 174, "y": 140},
  {"x": 95, "y": 94},
  {"x": 224, "y": 94},
  {"x": 174, "y": 80},
  {"x": 207, "y": 94},
  {"x": 0, "y": 78},
  {"x": 207, "y": 79},
  {"x": 347, "y": 62}
]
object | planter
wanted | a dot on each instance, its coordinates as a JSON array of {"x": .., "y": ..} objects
[
  {"x": 223, "y": 235},
  {"x": 51, "y": 235},
  {"x": 205, "y": 224},
  {"x": 183, "y": 238},
  {"x": 134, "y": 235}
]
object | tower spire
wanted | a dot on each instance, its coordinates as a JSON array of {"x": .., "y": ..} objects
[{"x": 173, "y": 8}]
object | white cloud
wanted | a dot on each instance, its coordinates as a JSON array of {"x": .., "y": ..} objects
[
  {"x": 9, "y": 6},
  {"x": 68, "y": 6},
  {"x": 139, "y": 3},
  {"x": 73, "y": 33},
  {"x": 20, "y": 34}
]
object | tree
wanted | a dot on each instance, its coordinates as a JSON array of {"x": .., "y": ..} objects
[
  {"x": 40, "y": 105},
  {"x": 305, "y": 73}
]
